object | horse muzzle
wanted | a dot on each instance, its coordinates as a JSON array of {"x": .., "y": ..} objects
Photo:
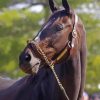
[{"x": 28, "y": 62}]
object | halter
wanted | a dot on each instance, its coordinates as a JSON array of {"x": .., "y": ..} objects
[{"x": 52, "y": 63}]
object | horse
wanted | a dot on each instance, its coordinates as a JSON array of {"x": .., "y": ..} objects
[
  {"x": 6, "y": 82},
  {"x": 55, "y": 60}
]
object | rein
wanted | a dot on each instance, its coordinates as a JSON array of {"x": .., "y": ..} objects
[{"x": 51, "y": 63}]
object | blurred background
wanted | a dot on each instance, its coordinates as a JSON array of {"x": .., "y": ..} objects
[{"x": 21, "y": 20}]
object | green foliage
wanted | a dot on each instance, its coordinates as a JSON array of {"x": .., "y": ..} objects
[
  {"x": 16, "y": 22},
  {"x": 74, "y": 3},
  {"x": 78, "y": 2},
  {"x": 93, "y": 43},
  {"x": 4, "y": 3},
  {"x": 15, "y": 28}
]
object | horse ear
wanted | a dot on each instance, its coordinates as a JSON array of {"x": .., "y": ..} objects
[
  {"x": 52, "y": 6},
  {"x": 66, "y": 5}
]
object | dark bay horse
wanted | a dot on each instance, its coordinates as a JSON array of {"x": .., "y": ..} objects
[
  {"x": 5, "y": 83},
  {"x": 60, "y": 42}
]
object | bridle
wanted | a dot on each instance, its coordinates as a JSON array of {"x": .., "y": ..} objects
[{"x": 51, "y": 63}]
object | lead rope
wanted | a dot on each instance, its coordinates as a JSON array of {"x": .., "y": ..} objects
[{"x": 52, "y": 68}]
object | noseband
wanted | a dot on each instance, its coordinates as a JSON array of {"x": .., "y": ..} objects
[{"x": 70, "y": 44}]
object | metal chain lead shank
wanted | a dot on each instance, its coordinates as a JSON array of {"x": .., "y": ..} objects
[{"x": 52, "y": 68}]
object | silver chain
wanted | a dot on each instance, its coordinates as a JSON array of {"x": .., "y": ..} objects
[{"x": 52, "y": 68}]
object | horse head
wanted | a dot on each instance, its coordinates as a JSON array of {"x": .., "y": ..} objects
[{"x": 54, "y": 41}]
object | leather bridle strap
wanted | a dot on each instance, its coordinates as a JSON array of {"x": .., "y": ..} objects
[
  {"x": 70, "y": 44},
  {"x": 61, "y": 54}
]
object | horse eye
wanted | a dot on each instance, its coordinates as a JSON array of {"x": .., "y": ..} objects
[{"x": 59, "y": 27}]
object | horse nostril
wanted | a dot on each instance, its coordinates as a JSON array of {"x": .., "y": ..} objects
[{"x": 27, "y": 57}]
